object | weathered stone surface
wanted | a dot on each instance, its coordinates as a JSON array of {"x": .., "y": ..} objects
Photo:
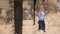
[{"x": 6, "y": 21}]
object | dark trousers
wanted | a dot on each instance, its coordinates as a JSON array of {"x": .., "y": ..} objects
[{"x": 41, "y": 25}]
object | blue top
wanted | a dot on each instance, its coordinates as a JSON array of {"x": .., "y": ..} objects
[{"x": 42, "y": 16}]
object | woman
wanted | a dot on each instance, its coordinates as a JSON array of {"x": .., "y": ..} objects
[{"x": 41, "y": 20}]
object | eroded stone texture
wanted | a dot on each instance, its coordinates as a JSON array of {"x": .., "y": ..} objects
[
  {"x": 6, "y": 17},
  {"x": 28, "y": 12}
]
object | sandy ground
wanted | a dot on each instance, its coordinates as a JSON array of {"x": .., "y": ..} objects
[
  {"x": 6, "y": 28},
  {"x": 52, "y": 26},
  {"x": 52, "y": 22}
]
